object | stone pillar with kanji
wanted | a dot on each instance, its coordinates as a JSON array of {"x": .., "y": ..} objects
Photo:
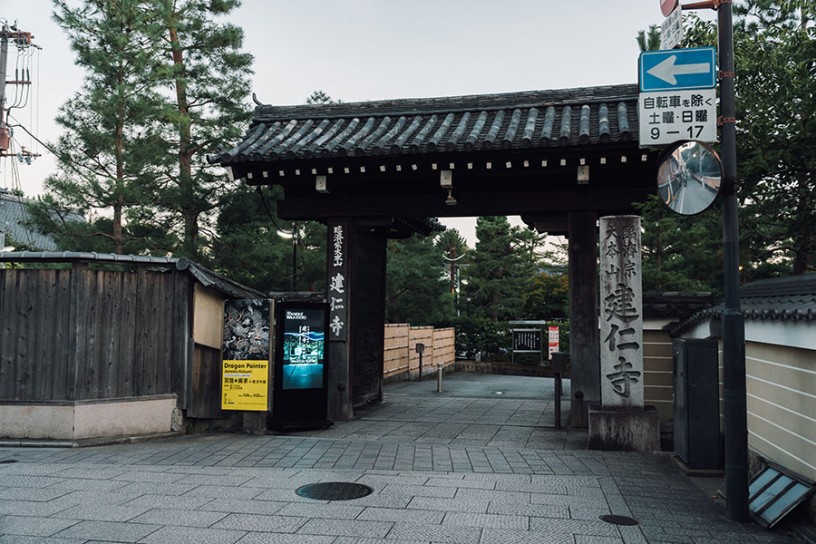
[
  {"x": 622, "y": 422},
  {"x": 621, "y": 331}
]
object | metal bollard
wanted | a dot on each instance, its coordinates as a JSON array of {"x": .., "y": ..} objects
[{"x": 439, "y": 379}]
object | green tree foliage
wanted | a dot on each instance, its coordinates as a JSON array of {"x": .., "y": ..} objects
[
  {"x": 201, "y": 63},
  {"x": 106, "y": 156},
  {"x": 248, "y": 247},
  {"x": 501, "y": 268},
  {"x": 775, "y": 58},
  {"x": 165, "y": 83},
  {"x": 548, "y": 296},
  {"x": 649, "y": 40},
  {"x": 320, "y": 97},
  {"x": 680, "y": 253},
  {"x": 416, "y": 283},
  {"x": 256, "y": 248}
]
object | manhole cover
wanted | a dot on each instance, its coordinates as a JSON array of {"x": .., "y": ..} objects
[
  {"x": 334, "y": 491},
  {"x": 618, "y": 520},
  {"x": 7, "y": 461}
]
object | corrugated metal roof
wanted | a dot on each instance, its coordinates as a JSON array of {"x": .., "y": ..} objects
[
  {"x": 792, "y": 298},
  {"x": 14, "y": 215},
  {"x": 523, "y": 120}
]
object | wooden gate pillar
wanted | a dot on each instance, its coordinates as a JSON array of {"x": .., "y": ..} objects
[
  {"x": 584, "y": 336},
  {"x": 356, "y": 294}
]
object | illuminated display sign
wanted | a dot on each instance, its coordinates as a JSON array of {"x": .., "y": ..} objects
[{"x": 304, "y": 348}]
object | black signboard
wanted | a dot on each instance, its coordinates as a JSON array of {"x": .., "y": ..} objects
[
  {"x": 526, "y": 340},
  {"x": 301, "y": 379}
]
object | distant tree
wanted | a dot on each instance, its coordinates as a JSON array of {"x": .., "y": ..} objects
[
  {"x": 680, "y": 253},
  {"x": 416, "y": 283},
  {"x": 320, "y": 97},
  {"x": 453, "y": 249},
  {"x": 165, "y": 84},
  {"x": 649, "y": 40},
  {"x": 548, "y": 296},
  {"x": 248, "y": 247},
  {"x": 501, "y": 268},
  {"x": 255, "y": 247}
]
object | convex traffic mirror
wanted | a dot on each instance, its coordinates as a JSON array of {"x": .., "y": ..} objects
[{"x": 689, "y": 177}]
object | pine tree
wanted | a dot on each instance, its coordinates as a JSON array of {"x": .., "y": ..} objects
[
  {"x": 106, "y": 156},
  {"x": 501, "y": 268},
  {"x": 416, "y": 287},
  {"x": 201, "y": 62}
]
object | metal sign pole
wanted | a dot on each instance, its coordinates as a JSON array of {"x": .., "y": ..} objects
[{"x": 733, "y": 323}]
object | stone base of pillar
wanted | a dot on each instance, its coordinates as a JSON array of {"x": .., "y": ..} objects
[{"x": 624, "y": 429}]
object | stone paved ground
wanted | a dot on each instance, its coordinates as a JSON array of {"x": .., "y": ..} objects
[{"x": 466, "y": 466}]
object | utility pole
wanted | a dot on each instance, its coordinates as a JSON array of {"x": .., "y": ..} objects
[
  {"x": 22, "y": 39},
  {"x": 733, "y": 320}
]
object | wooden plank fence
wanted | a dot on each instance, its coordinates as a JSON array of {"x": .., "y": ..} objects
[
  {"x": 401, "y": 358},
  {"x": 80, "y": 333}
]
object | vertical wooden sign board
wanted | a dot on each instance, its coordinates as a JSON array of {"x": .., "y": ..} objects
[
  {"x": 338, "y": 282},
  {"x": 338, "y": 297},
  {"x": 621, "y": 334}
]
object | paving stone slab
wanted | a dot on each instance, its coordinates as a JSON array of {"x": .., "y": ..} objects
[
  {"x": 355, "y": 528},
  {"x": 278, "y": 538},
  {"x": 109, "y": 531},
  {"x": 178, "y": 517},
  {"x": 436, "y": 533},
  {"x": 494, "y": 521},
  {"x": 429, "y": 517},
  {"x": 192, "y": 535},
  {"x": 243, "y": 506},
  {"x": 258, "y": 522},
  {"x": 102, "y": 512},
  {"x": 20, "y": 539},
  {"x": 33, "y": 525}
]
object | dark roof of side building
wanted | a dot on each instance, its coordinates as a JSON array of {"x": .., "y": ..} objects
[
  {"x": 204, "y": 276},
  {"x": 13, "y": 219},
  {"x": 791, "y": 298},
  {"x": 510, "y": 121}
]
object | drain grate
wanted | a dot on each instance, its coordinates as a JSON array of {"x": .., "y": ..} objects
[
  {"x": 618, "y": 520},
  {"x": 334, "y": 491},
  {"x": 7, "y": 461}
]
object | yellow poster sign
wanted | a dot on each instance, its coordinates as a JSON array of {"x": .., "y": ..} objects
[{"x": 245, "y": 385}]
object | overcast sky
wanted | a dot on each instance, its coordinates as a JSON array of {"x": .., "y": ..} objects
[{"x": 372, "y": 49}]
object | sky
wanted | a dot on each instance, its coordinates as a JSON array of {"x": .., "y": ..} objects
[{"x": 358, "y": 50}]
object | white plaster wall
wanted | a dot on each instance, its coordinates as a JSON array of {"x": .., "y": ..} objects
[
  {"x": 136, "y": 417},
  {"x": 122, "y": 417},
  {"x": 36, "y": 421}
]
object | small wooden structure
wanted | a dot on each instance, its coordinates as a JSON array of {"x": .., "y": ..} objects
[{"x": 98, "y": 345}]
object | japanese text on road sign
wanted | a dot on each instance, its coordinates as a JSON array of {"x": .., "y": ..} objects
[{"x": 670, "y": 116}]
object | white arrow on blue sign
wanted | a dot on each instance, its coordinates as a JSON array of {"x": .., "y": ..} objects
[{"x": 678, "y": 69}]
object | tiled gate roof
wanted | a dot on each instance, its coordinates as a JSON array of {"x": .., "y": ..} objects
[{"x": 512, "y": 121}]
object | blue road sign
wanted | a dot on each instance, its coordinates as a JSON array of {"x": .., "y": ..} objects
[{"x": 677, "y": 69}]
